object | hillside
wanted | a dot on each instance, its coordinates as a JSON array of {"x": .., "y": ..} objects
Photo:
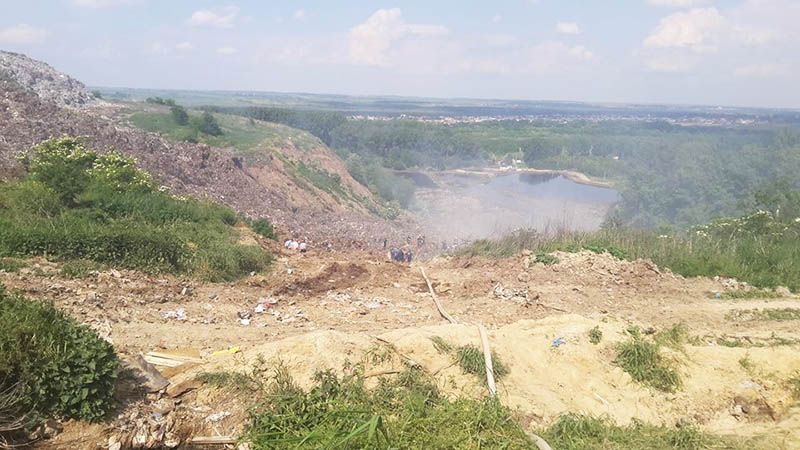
[{"x": 299, "y": 184}]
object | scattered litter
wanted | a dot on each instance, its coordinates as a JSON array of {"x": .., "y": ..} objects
[
  {"x": 717, "y": 295},
  {"x": 244, "y": 315},
  {"x": 228, "y": 351},
  {"x": 244, "y": 322},
  {"x": 558, "y": 342},
  {"x": 259, "y": 309},
  {"x": 216, "y": 417},
  {"x": 178, "y": 314}
]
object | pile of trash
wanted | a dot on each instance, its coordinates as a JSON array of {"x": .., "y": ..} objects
[{"x": 291, "y": 244}]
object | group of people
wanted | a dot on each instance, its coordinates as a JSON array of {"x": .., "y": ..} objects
[
  {"x": 404, "y": 254},
  {"x": 400, "y": 255}
]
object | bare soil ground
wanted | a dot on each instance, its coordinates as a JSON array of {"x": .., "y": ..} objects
[{"x": 321, "y": 309}]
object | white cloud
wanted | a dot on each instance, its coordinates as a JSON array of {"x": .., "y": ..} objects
[
  {"x": 300, "y": 14},
  {"x": 696, "y": 29},
  {"x": 768, "y": 70},
  {"x": 184, "y": 46},
  {"x": 223, "y": 17},
  {"x": 678, "y": 3},
  {"x": 568, "y": 28},
  {"x": 227, "y": 51},
  {"x": 497, "y": 18},
  {"x": 372, "y": 41},
  {"x": 97, "y": 4},
  {"x": 22, "y": 34}
]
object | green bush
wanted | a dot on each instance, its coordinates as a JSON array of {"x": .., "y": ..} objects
[
  {"x": 114, "y": 215},
  {"x": 59, "y": 367},
  {"x": 264, "y": 228},
  {"x": 642, "y": 360}
]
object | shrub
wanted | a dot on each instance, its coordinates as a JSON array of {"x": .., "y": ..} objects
[
  {"x": 264, "y": 228},
  {"x": 642, "y": 360},
  {"x": 179, "y": 115},
  {"x": 114, "y": 215},
  {"x": 61, "y": 368},
  {"x": 209, "y": 125},
  {"x": 595, "y": 335},
  {"x": 546, "y": 259}
]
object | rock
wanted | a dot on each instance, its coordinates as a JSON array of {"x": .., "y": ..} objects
[
  {"x": 524, "y": 277},
  {"x": 176, "y": 390},
  {"x": 527, "y": 252},
  {"x": 148, "y": 375},
  {"x": 783, "y": 291},
  {"x": 114, "y": 443},
  {"x": 526, "y": 262}
]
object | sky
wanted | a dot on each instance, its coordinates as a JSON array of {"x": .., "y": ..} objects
[{"x": 710, "y": 52}]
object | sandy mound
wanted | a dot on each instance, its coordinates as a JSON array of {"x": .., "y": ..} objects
[{"x": 546, "y": 381}]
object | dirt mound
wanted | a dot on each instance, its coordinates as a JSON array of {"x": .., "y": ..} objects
[
  {"x": 334, "y": 276},
  {"x": 545, "y": 381}
]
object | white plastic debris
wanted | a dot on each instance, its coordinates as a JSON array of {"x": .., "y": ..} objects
[{"x": 178, "y": 314}]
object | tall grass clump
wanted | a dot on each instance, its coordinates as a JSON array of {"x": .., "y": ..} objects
[
  {"x": 407, "y": 411},
  {"x": 580, "y": 432},
  {"x": 76, "y": 204},
  {"x": 643, "y": 361},
  {"x": 761, "y": 249},
  {"x": 54, "y": 366}
]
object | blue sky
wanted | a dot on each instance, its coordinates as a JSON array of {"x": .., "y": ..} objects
[{"x": 727, "y": 52}]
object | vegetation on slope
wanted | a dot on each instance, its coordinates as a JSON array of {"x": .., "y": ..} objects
[
  {"x": 667, "y": 174},
  {"x": 77, "y": 204},
  {"x": 761, "y": 249},
  {"x": 50, "y": 366}
]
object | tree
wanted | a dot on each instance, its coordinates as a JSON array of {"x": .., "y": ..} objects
[
  {"x": 209, "y": 125},
  {"x": 180, "y": 115}
]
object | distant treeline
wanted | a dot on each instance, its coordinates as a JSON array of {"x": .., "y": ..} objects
[
  {"x": 668, "y": 174},
  {"x": 398, "y": 144}
]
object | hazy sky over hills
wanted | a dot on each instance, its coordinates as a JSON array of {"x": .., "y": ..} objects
[{"x": 730, "y": 52}]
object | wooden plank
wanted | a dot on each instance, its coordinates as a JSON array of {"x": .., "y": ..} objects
[
  {"x": 487, "y": 359},
  {"x": 439, "y": 306},
  {"x": 213, "y": 440}
]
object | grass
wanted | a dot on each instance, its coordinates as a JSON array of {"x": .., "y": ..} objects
[
  {"x": 78, "y": 268},
  {"x": 595, "y": 335},
  {"x": 765, "y": 260},
  {"x": 745, "y": 295},
  {"x": 774, "y": 314},
  {"x": 472, "y": 361},
  {"x": 581, "y": 432},
  {"x": 228, "y": 380},
  {"x": 546, "y": 259},
  {"x": 406, "y": 411},
  {"x": 673, "y": 337},
  {"x": 794, "y": 385},
  {"x": 441, "y": 345},
  {"x": 11, "y": 264},
  {"x": 643, "y": 361},
  {"x": 251, "y": 138}
]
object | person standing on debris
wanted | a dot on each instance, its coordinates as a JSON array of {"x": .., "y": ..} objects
[
  {"x": 420, "y": 241},
  {"x": 384, "y": 243},
  {"x": 396, "y": 255},
  {"x": 409, "y": 256}
]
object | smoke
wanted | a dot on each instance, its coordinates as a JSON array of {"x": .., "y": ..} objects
[{"x": 480, "y": 206}]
